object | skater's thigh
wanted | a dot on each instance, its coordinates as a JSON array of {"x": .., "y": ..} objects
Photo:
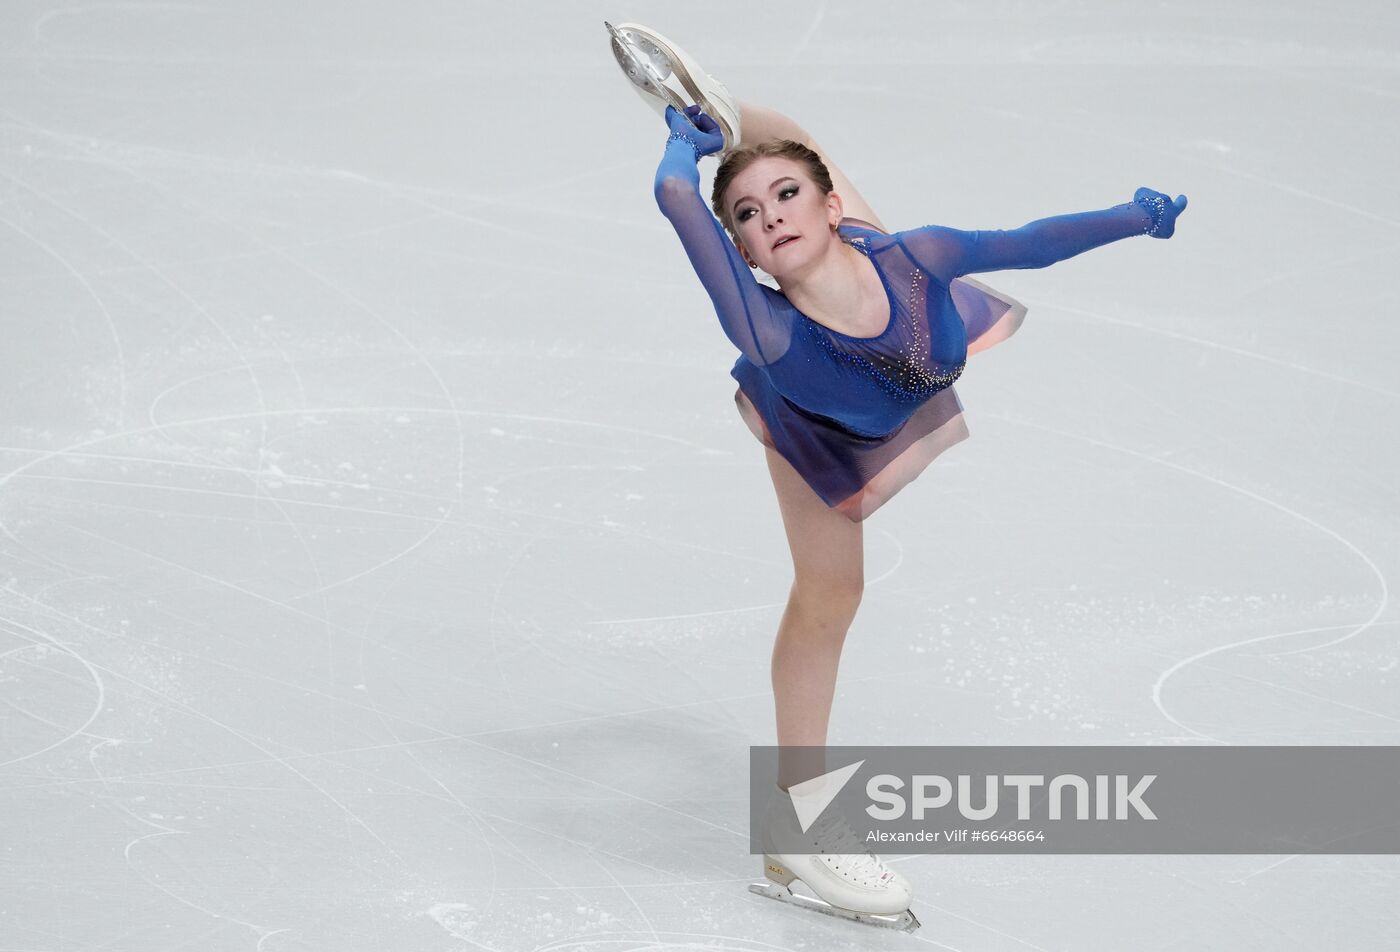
[{"x": 828, "y": 549}]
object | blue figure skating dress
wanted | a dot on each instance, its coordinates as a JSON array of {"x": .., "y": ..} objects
[{"x": 860, "y": 417}]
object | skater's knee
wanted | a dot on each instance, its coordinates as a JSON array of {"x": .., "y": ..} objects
[{"x": 827, "y": 595}]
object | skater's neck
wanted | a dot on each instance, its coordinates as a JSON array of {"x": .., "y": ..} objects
[{"x": 840, "y": 290}]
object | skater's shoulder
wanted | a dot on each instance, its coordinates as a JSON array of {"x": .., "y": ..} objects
[{"x": 853, "y": 227}]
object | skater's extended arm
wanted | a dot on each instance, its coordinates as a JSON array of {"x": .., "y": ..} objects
[
  {"x": 743, "y": 308},
  {"x": 947, "y": 253}
]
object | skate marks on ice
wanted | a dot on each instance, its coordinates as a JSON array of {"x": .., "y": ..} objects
[
  {"x": 1372, "y": 571},
  {"x": 141, "y": 187},
  {"x": 465, "y": 922},
  {"x": 559, "y": 931}
]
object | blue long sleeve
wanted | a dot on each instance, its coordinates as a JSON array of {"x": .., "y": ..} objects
[
  {"x": 948, "y": 253},
  {"x": 759, "y": 331}
]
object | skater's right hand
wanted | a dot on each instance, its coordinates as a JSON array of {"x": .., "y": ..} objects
[
  {"x": 696, "y": 126},
  {"x": 1162, "y": 209}
]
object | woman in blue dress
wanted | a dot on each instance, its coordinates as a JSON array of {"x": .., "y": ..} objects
[{"x": 845, "y": 374}]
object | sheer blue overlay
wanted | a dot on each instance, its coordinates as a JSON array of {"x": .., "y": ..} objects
[{"x": 859, "y": 417}]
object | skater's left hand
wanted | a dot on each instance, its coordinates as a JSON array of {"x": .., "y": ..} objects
[
  {"x": 697, "y": 126},
  {"x": 1163, "y": 209}
]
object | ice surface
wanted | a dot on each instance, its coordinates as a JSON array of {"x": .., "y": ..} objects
[{"x": 361, "y": 591}]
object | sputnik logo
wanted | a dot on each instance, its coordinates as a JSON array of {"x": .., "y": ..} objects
[{"x": 811, "y": 797}]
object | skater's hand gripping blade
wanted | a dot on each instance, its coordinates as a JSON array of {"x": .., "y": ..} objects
[{"x": 904, "y": 921}]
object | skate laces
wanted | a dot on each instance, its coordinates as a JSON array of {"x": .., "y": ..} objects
[{"x": 834, "y": 836}]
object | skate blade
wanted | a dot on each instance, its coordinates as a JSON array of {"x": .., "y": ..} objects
[
  {"x": 649, "y": 67},
  {"x": 646, "y": 65},
  {"x": 904, "y": 921}
]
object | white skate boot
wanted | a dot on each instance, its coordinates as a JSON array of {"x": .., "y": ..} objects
[
  {"x": 663, "y": 74},
  {"x": 853, "y": 885}
]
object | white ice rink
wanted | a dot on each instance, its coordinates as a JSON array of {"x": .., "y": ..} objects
[{"x": 386, "y": 568}]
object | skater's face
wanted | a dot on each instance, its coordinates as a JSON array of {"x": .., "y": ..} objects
[{"x": 775, "y": 199}]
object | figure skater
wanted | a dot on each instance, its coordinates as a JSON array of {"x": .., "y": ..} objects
[{"x": 845, "y": 376}]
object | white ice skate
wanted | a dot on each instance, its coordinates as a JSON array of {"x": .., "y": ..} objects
[
  {"x": 853, "y": 885},
  {"x": 663, "y": 74}
]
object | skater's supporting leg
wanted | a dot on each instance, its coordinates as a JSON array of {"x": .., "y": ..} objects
[
  {"x": 760, "y": 124},
  {"x": 828, "y": 579}
]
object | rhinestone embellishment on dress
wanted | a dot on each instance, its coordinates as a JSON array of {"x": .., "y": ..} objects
[{"x": 906, "y": 374}]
